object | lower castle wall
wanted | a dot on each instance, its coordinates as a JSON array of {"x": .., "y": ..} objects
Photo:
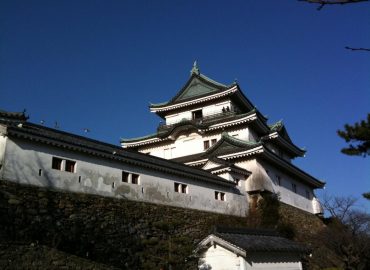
[
  {"x": 31, "y": 163},
  {"x": 116, "y": 232}
]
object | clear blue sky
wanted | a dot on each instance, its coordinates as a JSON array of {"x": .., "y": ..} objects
[{"x": 97, "y": 64}]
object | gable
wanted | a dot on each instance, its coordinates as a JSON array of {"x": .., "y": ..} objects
[
  {"x": 210, "y": 165},
  {"x": 194, "y": 88}
]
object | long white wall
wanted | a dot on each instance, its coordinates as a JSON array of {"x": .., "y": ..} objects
[{"x": 30, "y": 163}]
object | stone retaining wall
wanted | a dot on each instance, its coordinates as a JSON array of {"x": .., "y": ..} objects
[{"x": 124, "y": 234}]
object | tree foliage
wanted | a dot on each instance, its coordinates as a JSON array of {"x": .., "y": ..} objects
[
  {"x": 323, "y": 3},
  {"x": 358, "y": 138},
  {"x": 345, "y": 240}
]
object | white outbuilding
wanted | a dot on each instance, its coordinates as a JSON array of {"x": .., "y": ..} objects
[{"x": 247, "y": 249}]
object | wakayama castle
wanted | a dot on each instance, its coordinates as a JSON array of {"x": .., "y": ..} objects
[
  {"x": 213, "y": 151},
  {"x": 216, "y": 128}
]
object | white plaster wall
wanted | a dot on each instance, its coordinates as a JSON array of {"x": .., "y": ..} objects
[
  {"x": 24, "y": 159},
  {"x": 278, "y": 151},
  {"x": 3, "y": 140},
  {"x": 206, "y": 110},
  {"x": 287, "y": 195},
  {"x": 220, "y": 258},
  {"x": 242, "y": 134},
  {"x": 189, "y": 144},
  {"x": 273, "y": 261}
]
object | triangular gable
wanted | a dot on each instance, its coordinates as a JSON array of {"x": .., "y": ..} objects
[
  {"x": 212, "y": 239},
  {"x": 211, "y": 164},
  {"x": 280, "y": 128},
  {"x": 196, "y": 87},
  {"x": 229, "y": 144},
  {"x": 284, "y": 133}
]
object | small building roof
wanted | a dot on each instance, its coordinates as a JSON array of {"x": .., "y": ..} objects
[{"x": 243, "y": 241}]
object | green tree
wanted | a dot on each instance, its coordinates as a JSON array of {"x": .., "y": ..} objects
[{"x": 358, "y": 138}]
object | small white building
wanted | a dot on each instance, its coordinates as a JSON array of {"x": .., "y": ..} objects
[
  {"x": 246, "y": 249},
  {"x": 216, "y": 128}
]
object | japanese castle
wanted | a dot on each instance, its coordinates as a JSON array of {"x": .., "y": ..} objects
[{"x": 216, "y": 128}]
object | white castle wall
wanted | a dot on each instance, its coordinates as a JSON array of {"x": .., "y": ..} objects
[
  {"x": 298, "y": 199},
  {"x": 31, "y": 163}
]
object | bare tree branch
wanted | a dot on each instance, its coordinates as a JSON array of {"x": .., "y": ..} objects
[
  {"x": 322, "y": 3},
  {"x": 357, "y": 49}
]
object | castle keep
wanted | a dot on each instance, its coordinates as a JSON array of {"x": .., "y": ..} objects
[{"x": 216, "y": 128}]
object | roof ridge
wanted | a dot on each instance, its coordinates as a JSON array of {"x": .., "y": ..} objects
[
  {"x": 247, "y": 231},
  {"x": 213, "y": 81},
  {"x": 153, "y": 135},
  {"x": 227, "y": 136}
]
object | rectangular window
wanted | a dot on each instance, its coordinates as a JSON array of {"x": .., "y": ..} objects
[
  {"x": 213, "y": 141},
  {"x": 135, "y": 179},
  {"x": 181, "y": 188},
  {"x": 177, "y": 187},
  {"x": 197, "y": 114},
  {"x": 125, "y": 176},
  {"x": 294, "y": 188},
  {"x": 206, "y": 145},
  {"x": 278, "y": 180},
  {"x": 308, "y": 194},
  {"x": 70, "y": 166},
  {"x": 57, "y": 163},
  {"x": 184, "y": 188},
  {"x": 63, "y": 165},
  {"x": 220, "y": 196}
]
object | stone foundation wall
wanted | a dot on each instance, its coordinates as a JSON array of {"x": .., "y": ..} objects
[
  {"x": 21, "y": 256},
  {"x": 305, "y": 224},
  {"x": 115, "y": 232}
]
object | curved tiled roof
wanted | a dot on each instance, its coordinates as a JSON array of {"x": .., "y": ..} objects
[
  {"x": 226, "y": 145},
  {"x": 253, "y": 240},
  {"x": 230, "y": 148},
  {"x": 197, "y": 86},
  {"x": 202, "y": 124},
  {"x": 12, "y": 116}
]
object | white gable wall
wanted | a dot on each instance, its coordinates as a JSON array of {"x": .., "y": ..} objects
[{"x": 220, "y": 258}]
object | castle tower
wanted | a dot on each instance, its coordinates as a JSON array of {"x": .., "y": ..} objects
[{"x": 215, "y": 127}]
